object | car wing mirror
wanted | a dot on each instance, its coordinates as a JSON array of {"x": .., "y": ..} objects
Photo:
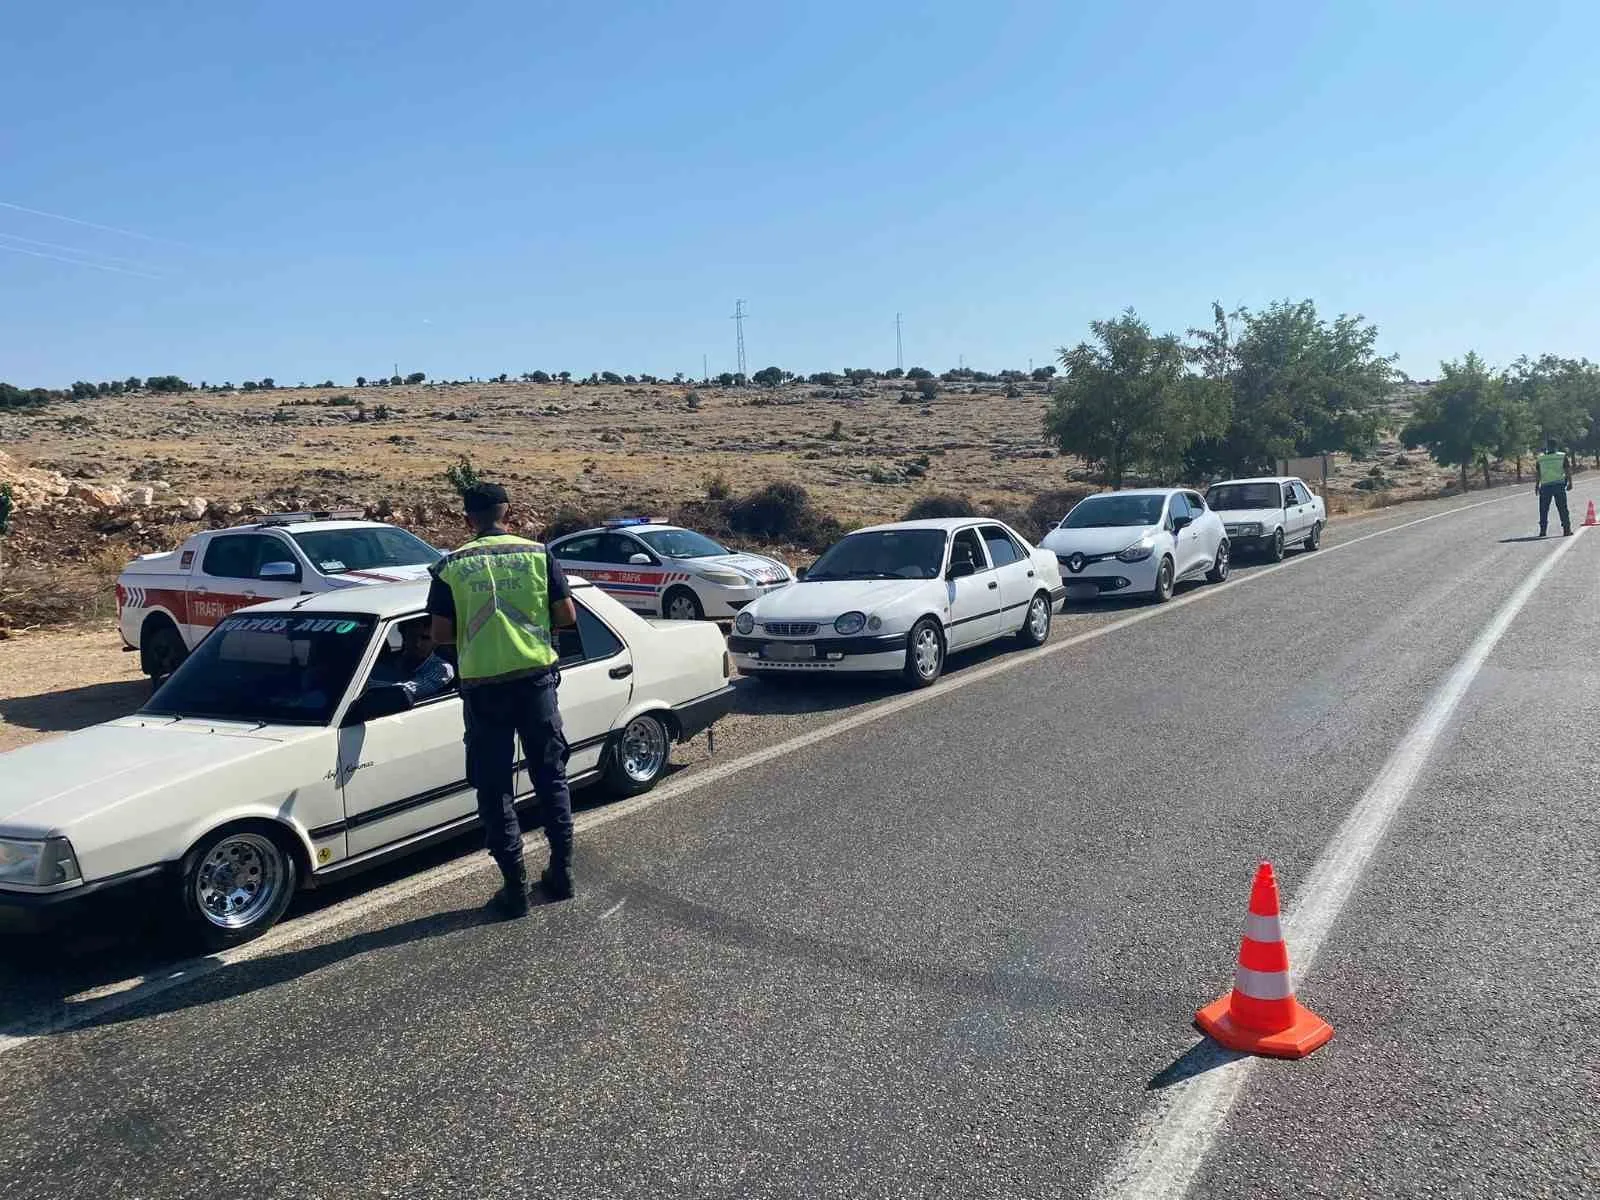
[
  {"x": 638, "y": 560},
  {"x": 279, "y": 570},
  {"x": 800, "y": 572},
  {"x": 960, "y": 570},
  {"x": 380, "y": 700},
  {"x": 1179, "y": 524}
]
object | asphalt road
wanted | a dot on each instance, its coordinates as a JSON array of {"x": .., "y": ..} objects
[{"x": 945, "y": 945}]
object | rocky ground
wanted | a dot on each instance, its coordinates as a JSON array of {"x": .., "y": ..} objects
[{"x": 97, "y": 481}]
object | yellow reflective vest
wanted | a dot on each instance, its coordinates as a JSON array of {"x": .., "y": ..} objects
[
  {"x": 1552, "y": 468},
  {"x": 501, "y": 587}
]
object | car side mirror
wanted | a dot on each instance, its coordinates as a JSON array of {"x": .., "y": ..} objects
[
  {"x": 800, "y": 572},
  {"x": 287, "y": 571},
  {"x": 639, "y": 560},
  {"x": 1179, "y": 524},
  {"x": 380, "y": 700},
  {"x": 960, "y": 570}
]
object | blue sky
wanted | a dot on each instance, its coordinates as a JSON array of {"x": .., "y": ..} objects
[{"x": 323, "y": 190}]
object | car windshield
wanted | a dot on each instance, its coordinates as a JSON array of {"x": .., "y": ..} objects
[
  {"x": 285, "y": 669},
  {"x": 888, "y": 554},
  {"x": 1235, "y": 497},
  {"x": 681, "y": 543},
  {"x": 1111, "y": 512},
  {"x": 333, "y": 551}
]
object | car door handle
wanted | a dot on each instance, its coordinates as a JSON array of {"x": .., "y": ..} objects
[
  {"x": 1030, "y": 574},
  {"x": 993, "y": 585},
  {"x": 622, "y": 672}
]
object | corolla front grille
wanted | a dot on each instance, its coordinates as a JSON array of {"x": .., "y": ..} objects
[{"x": 790, "y": 628}]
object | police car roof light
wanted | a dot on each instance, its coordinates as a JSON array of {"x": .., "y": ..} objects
[
  {"x": 295, "y": 518},
  {"x": 624, "y": 522}
]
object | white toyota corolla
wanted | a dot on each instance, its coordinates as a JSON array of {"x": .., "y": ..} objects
[
  {"x": 899, "y": 598},
  {"x": 285, "y": 752},
  {"x": 1138, "y": 543},
  {"x": 676, "y": 572}
]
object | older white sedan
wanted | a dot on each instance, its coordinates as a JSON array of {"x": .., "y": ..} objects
[
  {"x": 899, "y": 598},
  {"x": 285, "y": 751}
]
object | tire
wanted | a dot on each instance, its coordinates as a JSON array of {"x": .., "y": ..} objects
[
  {"x": 1314, "y": 538},
  {"x": 1035, "y": 629},
  {"x": 1223, "y": 566},
  {"x": 1275, "y": 546},
  {"x": 640, "y": 756},
  {"x": 1162, "y": 592},
  {"x": 681, "y": 604},
  {"x": 923, "y": 669},
  {"x": 161, "y": 650},
  {"x": 235, "y": 884}
]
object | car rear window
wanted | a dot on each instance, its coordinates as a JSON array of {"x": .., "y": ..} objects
[{"x": 334, "y": 551}]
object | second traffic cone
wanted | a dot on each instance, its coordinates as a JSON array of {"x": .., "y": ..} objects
[
  {"x": 1261, "y": 1015},
  {"x": 1589, "y": 517}
]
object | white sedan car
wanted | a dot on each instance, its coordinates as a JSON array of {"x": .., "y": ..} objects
[
  {"x": 1267, "y": 516},
  {"x": 899, "y": 598},
  {"x": 1141, "y": 542},
  {"x": 662, "y": 569},
  {"x": 284, "y": 752}
]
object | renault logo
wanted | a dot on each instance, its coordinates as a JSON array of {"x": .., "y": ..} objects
[{"x": 1075, "y": 563}]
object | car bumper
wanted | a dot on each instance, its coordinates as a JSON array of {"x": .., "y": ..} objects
[
  {"x": 112, "y": 884},
  {"x": 699, "y": 714},
  {"x": 724, "y": 603},
  {"x": 1113, "y": 577},
  {"x": 843, "y": 655}
]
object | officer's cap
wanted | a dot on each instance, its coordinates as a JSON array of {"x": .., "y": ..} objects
[{"x": 482, "y": 497}]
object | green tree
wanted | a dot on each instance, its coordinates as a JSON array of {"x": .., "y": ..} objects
[
  {"x": 361, "y": 381},
  {"x": 1462, "y": 420},
  {"x": 928, "y": 388},
  {"x": 1295, "y": 383},
  {"x": 1044, "y": 374},
  {"x": 1128, "y": 403},
  {"x": 919, "y": 373},
  {"x": 461, "y": 475},
  {"x": 132, "y": 383},
  {"x": 768, "y": 376},
  {"x": 416, "y": 377}
]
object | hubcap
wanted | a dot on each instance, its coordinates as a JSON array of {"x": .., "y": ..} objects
[
  {"x": 927, "y": 651},
  {"x": 1166, "y": 578},
  {"x": 1039, "y": 619},
  {"x": 1223, "y": 563},
  {"x": 239, "y": 880},
  {"x": 681, "y": 608},
  {"x": 644, "y": 749}
]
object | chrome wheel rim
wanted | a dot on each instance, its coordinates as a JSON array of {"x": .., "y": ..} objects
[
  {"x": 1039, "y": 619},
  {"x": 1224, "y": 563},
  {"x": 1164, "y": 581},
  {"x": 681, "y": 608},
  {"x": 644, "y": 749},
  {"x": 1277, "y": 544},
  {"x": 926, "y": 649},
  {"x": 239, "y": 880}
]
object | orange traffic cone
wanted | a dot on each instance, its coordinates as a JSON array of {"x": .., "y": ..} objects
[
  {"x": 1261, "y": 1015},
  {"x": 1589, "y": 517}
]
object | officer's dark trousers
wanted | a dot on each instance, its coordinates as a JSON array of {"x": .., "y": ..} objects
[
  {"x": 496, "y": 715},
  {"x": 1558, "y": 493}
]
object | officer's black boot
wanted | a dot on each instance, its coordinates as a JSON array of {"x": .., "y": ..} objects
[
  {"x": 556, "y": 881},
  {"x": 511, "y": 900}
]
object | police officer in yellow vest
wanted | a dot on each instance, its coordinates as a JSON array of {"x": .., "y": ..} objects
[
  {"x": 500, "y": 599},
  {"x": 1555, "y": 481}
]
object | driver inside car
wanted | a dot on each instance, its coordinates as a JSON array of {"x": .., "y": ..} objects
[{"x": 428, "y": 672}]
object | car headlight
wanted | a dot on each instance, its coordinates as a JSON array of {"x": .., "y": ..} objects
[
  {"x": 1139, "y": 551},
  {"x": 851, "y": 622},
  {"x": 874, "y": 624},
  {"x": 724, "y": 578},
  {"x": 1247, "y": 529},
  {"x": 43, "y": 863},
  {"x": 745, "y": 622}
]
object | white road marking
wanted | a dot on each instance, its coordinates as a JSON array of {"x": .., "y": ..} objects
[
  {"x": 613, "y": 910},
  {"x": 111, "y": 997},
  {"x": 1169, "y": 1144}
]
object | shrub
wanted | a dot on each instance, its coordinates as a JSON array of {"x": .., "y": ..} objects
[
  {"x": 919, "y": 373},
  {"x": 1047, "y": 509},
  {"x": 692, "y": 400},
  {"x": 836, "y": 434},
  {"x": 718, "y": 487},
  {"x": 782, "y": 512},
  {"x": 461, "y": 475},
  {"x": 570, "y": 520},
  {"x": 342, "y": 400},
  {"x": 1013, "y": 392},
  {"x": 927, "y": 388},
  {"x": 941, "y": 504}
]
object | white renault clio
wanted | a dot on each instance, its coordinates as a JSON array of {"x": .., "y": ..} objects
[
  {"x": 1140, "y": 542},
  {"x": 899, "y": 598}
]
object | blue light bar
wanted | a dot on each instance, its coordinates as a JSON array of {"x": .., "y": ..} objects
[{"x": 624, "y": 522}]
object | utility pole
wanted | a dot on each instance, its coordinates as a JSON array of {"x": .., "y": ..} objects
[
  {"x": 899, "y": 357},
  {"x": 738, "y": 320},
  {"x": 705, "y": 371}
]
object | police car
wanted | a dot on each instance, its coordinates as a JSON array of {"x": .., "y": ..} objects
[{"x": 656, "y": 568}]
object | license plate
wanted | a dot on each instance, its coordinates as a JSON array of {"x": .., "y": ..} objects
[
  {"x": 788, "y": 652},
  {"x": 1082, "y": 591}
]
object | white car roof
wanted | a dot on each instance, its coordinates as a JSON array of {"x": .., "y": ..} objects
[
  {"x": 292, "y": 527},
  {"x": 1262, "y": 479},
  {"x": 946, "y": 524},
  {"x": 380, "y": 600},
  {"x": 1164, "y": 491},
  {"x": 652, "y": 528}
]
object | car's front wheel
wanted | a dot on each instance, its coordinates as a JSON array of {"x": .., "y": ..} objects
[
  {"x": 1162, "y": 592},
  {"x": 234, "y": 885},
  {"x": 681, "y": 604},
  {"x": 1035, "y": 629},
  {"x": 925, "y": 653},
  {"x": 1314, "y": 538},
  {"x": 1275, "y": 546},
  {"x": 161, "y": 650},
  {"x": 641, "y": 755},
  {"x": 1223, "y": 566}
]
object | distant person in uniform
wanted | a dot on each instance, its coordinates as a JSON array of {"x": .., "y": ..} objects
[
  {"x": 1555, "y": 481},
  {"x": 499, "y": 600}
]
